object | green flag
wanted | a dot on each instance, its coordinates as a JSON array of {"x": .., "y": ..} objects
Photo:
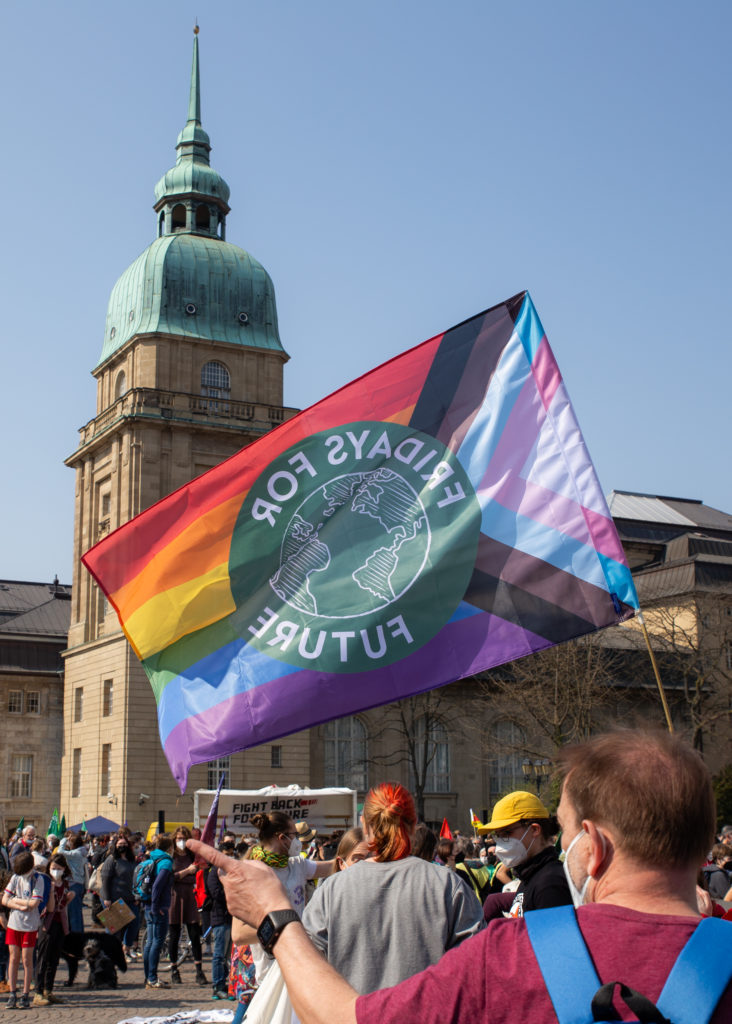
[
  {"x": 21, "y": 825},
  {"x": 83, "y": 824},
  {"x": 62, "y": 826},
  {"x": 52, "y": 829}
]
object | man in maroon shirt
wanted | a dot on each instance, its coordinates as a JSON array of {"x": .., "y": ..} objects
[{"x": 637, "y": 814}]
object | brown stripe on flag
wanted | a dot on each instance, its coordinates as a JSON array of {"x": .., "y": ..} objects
[
  {"x": 506, "y": 601},
  {"x": 544, "y": 580}
]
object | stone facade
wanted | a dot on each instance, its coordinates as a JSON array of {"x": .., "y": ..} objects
[
  {"x": 33, "y": 623},
  {"x": 191, "y": 372}
]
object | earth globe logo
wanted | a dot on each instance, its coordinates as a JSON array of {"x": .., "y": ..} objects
[
  {"x": 353, "y": 548},
  {"x": 354, "y": 545}
]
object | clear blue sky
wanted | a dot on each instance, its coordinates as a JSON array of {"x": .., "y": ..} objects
[{"x": 397, "y": 167}]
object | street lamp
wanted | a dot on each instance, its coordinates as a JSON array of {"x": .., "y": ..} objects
[{"x": 537, "y": 771}]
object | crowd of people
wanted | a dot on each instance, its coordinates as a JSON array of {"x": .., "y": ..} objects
[{"x": 396, "y": 922}]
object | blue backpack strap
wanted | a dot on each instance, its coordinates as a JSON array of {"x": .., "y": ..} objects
[
  {"x": 564, "y": 961},
  {"x": 700, "y": 975}
]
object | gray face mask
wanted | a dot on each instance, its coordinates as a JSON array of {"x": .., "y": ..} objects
[{"x": 295, "y": 848}]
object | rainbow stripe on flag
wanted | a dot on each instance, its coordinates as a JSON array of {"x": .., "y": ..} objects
[{"x": 437, "y": 517}]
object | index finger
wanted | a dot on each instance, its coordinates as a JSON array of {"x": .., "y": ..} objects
[{"x": 215, "y": 857}]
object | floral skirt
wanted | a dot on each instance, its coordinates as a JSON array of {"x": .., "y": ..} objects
[{"x": 242, "y": 977}]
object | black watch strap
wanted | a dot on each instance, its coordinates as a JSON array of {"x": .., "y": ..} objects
[{"x": 272, "y": 927}]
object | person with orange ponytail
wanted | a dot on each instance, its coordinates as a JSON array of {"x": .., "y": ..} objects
[{"x": 391, "y": 915}]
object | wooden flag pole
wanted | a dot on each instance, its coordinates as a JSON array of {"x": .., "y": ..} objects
[{"x": 656, "y": 673}]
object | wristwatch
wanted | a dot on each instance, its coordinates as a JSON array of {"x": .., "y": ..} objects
[{"x": 272, "y": 927}]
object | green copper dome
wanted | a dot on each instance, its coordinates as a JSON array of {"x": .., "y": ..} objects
[
  {"x": 197, "y": 287},
  {"x": 190, "y": 281}
]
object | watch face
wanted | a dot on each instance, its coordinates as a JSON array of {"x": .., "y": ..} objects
[{"x": 266, "y": 932}]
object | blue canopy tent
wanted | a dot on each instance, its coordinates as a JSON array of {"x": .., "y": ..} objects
[{"x": 96, "y": 826}]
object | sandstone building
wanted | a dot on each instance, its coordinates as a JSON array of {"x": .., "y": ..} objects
[
  {"x": 190, "y": 371},
  {"x": 34, "y": 622}
]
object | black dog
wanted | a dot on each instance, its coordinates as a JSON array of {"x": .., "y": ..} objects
[
  {"x": 102, "y": 972},
  {"x": 72, "y": 950}
]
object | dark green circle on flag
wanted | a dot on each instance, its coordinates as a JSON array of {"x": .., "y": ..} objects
[{"x": 353, "y": 548}]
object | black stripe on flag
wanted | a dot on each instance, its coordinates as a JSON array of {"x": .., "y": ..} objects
[
  {"x": 446, "y": 381},
  {"x": 515, "y": 605}
]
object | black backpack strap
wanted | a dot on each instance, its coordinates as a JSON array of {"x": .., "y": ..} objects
[{"x": 644, "y": 1009}]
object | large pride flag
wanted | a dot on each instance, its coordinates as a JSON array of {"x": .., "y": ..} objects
[{"x": 437, "y": 517}]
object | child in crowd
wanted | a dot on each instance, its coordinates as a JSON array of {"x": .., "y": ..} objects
[{"x": 23, "y": 896}]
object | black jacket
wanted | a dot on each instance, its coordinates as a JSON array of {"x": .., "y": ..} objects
[
  {"x": 542, "y": 882},
  {"x": 219, "y": 911}
]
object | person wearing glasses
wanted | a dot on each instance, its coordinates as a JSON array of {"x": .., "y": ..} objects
[
  {"x": 524, "y": 833},
  {"x": 279, "y": 845}
]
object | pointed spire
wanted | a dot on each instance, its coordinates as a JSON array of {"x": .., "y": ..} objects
[
  {"x": 193, "y": 142},
  {"x": 194, "y": 100},
  {"x": 192, "y": 182}
]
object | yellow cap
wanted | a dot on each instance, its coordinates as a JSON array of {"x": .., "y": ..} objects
[{"x": 518, "y": 806}]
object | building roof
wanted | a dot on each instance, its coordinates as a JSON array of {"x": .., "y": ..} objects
[
  {"x": 221, "y": 282},
  {"x": 192, "y": 171},
  {"x": 657, "y": 508},
  {"x": 190, "y": 282},
  {"x": 34, "y": 609}
]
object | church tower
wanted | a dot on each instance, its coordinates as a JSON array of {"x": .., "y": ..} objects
[{"x": 190, "y": 371}]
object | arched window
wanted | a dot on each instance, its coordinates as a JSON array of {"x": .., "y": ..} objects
[
  {"x": 179, "y": 217},
  {"x": 345, "y": 748},
  {"x": 161, "y": 224},
  {"x": 121, "y": 384},
  {"x": 215, "y": 380},
  {"x": 216, "y": 385},
  {"x": 203, "y": 217},
  {"x": 507, "y": 744},
  {"x": 432, "y": 743}
]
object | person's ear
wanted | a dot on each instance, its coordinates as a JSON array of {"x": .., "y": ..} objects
[{"x": 601, "y": 849}]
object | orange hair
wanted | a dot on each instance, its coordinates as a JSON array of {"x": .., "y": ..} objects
[{"x": 389, "y": 814}]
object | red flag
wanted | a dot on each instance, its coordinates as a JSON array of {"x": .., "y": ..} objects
[{"x": 445, "y": 832}]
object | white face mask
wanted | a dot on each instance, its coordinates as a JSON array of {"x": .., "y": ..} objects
[
  {"x": 295, "y": 848},
  {"x": 512, "y": 852},
  {"x": 181, "y": 844},
  {"x": 578, "y": 895},
  {"x": 57, "y": 874}
]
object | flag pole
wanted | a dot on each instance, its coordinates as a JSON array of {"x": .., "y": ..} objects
[{"x": 656, "y": 673}]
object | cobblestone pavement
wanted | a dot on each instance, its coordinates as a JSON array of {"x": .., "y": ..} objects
[{"x": 131, "y": 999}]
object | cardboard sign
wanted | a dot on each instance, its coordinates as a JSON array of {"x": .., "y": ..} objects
[{"x": 116, "y": 916}]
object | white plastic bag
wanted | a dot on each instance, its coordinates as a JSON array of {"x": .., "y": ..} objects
[{"x": 271, "y": 1003}]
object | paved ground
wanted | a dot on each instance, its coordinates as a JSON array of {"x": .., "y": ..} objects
[{"x": 131, "y": 999}]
